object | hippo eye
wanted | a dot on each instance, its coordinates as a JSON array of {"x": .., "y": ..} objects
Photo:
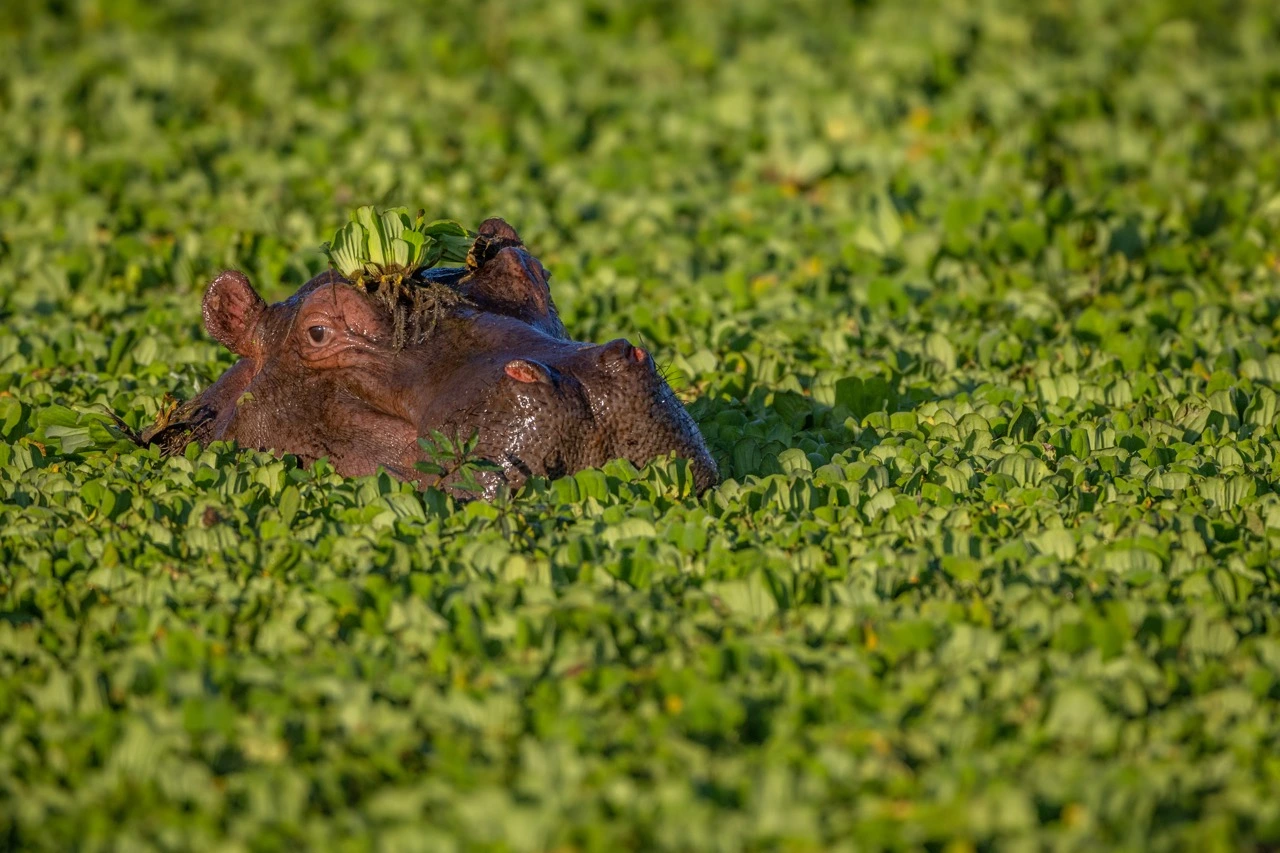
[{"x": 318, "y": 334}]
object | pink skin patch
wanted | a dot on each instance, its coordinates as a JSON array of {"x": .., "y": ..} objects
[
  {"x": 639, "y": 355},
  {"x": 522, "y": 371}
]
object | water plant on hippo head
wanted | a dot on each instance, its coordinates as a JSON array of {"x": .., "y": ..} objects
[{"x": 384, "y": 350}]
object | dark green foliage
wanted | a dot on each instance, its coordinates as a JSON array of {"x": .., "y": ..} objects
[{"x": 978, "y": 305}]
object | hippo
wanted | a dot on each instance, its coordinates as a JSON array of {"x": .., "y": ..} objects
[{"x": 475, "y": 353}]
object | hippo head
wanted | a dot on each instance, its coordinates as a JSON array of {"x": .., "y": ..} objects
[{"x": 332, "y": 372}]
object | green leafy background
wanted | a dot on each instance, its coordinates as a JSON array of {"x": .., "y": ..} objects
[{"x": 976, "y": 303}]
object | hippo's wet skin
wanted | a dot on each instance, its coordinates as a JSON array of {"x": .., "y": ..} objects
[{"x": 318, "y": 376}]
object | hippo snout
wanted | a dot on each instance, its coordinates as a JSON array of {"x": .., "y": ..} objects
[{"x": 636, "y": 414}]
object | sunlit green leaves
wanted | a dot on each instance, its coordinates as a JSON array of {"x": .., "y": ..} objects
[
  {"x": 976, "y": 305},
  {"x": 389, "y": 241}
]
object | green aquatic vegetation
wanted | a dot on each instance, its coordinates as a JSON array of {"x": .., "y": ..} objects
[
  {"x": 977, "y": 304},
  {"x": 382, "y": 252},
  {"x": 377, "y": 247}
]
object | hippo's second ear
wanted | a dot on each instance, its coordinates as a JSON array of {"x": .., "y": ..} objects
[
  {"x": 514, "y": 282},
  {"x": 231, "y": 310},
  {"x": 499, "y": 228},
  {"x": 494, "y": 236}
]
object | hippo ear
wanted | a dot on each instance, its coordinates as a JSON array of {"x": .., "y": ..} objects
[
  {"x": 514, "y": 282},
  {"x": 231, "y": 311},
  {"x": 499, "y": 228},
  {"x": 494, "y": 236}
]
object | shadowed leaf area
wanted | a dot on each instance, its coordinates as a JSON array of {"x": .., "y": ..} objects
[{"x": 976, "y": 304}]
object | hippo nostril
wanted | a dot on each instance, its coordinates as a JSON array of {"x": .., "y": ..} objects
[
  {"x": 639, "y": 355},
  {"x": 617, "y": 350}
]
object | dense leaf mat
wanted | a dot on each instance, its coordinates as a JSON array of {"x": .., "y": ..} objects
[{"x": 976, "y": 303}]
